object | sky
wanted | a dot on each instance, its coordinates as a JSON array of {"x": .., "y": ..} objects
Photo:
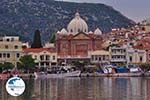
[{"x": 137, "y": 10}]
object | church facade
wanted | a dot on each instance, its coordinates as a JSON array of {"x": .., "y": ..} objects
[{"x": 76, "y": 41}]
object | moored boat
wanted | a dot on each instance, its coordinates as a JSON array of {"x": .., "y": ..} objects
[
  {"x": 3, "y": 76},
  {"x": 58, "y": 75}
]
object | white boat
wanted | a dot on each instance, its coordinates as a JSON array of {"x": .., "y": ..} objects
[{"x": 58, "y": 75}]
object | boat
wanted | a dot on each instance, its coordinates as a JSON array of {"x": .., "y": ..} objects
[
  {"x": 58, "y": 75},
  {"x": 3, "y": 76}
]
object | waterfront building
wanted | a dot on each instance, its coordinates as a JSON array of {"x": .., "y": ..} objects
[
  {"x": 147, "y": 28},
  {"x": 76, "y": 41},
  {"x": 118, "y": 54},
  {"x": 146, "y": 25},
  {"x": 44, "y": 57},
  {"x": 144, "y": 44},
  {"x": 100, "y": 57},
  {"x": 135, "y": 56},
  {"x": 10, "y": 49}
]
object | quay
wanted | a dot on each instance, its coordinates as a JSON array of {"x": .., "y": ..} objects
[{"x": 115, "y": 75}]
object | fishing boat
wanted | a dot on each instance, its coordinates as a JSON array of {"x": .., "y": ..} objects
[{"x": 58, "y": 75}]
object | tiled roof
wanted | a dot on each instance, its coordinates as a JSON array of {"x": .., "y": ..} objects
[
  {"x": 143, "y": 44},
  {"x": 37, "y": 50},
  {"x": 100, "y": 52}
]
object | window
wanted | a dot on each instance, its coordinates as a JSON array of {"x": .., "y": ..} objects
[
  {"x": 16, "y": 47},
  {"x": 4, "y": 55},
  {"x": 18, "y": 55},
  {"x": 0, "y": 55},
  {"x": 99, "y": 58},
  {"x": 92, "y": 57},
  {"x": 35, "y": 57},
  {"x": 71, "y": 30},
  {"x": 141, "y": 58},
  {"x": 113, "y": 57},
  {"x": 53, "y": 57},
  {"x": 42, "y": 57},
  {"x": 124, "y": 57},
  {"x": 12, "y": 39},
  {"x": 47, "y": 64},
  {"x": 8, "y": 55},
  {"x": 7, "y": 40},
  {"x": 78, "y": 30},
  {"x": 47, "y": 57},
  {"x": 42, "y": 64},
  {"x": 130, "y": 58},
  {"x": 95, "y": 57},
  {"x": 6, "y": 46},
  {"x": 103, "y": 57}
]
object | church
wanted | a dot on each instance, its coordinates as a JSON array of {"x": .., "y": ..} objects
[{"x": 75, "y": 42}]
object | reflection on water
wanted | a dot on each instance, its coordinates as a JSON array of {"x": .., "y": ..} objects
[{"x": 83, "y": 89}]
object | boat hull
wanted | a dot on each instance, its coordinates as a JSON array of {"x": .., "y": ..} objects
[{"x": 60, "y": 75}]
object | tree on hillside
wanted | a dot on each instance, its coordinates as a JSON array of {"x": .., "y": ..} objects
[
  {"x": 27, "y": 63},
  {"x": 36, "y": 40},
  {"x": 52, "y": 38}
]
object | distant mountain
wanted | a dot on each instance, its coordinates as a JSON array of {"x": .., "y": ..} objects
[{"x": 22, "y": 17}]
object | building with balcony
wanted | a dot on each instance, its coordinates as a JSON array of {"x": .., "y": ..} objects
[
  {"x": 118, "y": 55},
  {"x": 135, "y": 56},
  {"x": 44, "y": 57},
  {"x": 10, "y": 49},
  {"x": 100, "y": 57}
]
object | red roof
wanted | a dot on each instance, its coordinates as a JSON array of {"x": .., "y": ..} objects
[
  {"x": 37, "y": 50},
  {"x": 143, "y": 44}
]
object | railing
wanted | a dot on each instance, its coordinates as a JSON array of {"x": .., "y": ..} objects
[
  {"x": 118, "y": 60},
  {"x": 73, "y": 57}
]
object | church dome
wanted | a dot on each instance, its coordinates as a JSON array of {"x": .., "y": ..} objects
[
  {"x": 90, "y": 32},
  {"x": 64, "y": 31},
  {"x": 98, "y": 32},
  {"x": 77, "y": 25},
  {"x": 58, "y": 32}
]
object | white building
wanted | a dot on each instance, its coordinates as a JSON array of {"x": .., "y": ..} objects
[
  {"x": 100, "y": 57},
  {"x": 118, "y": 54},
  {"x": 135, "y": 56},
  {"x": 44, "y": 57}
]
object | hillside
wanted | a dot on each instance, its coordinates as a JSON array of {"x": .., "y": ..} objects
[{"x": 22, "y": 17}]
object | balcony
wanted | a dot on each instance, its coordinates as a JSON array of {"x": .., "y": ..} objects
[
  {"x": 118, "y": 60},
  {"x": 73, "y": 57}
]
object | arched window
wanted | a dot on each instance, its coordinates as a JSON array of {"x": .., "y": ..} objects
[
  {"x": 16, "y": 47},
  {"x": 71, "y": 30},
  {"x": 79, "y": 30}
]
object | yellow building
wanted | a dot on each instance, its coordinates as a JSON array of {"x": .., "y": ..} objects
[
  {"x": 147, "y": 28},
  {"x": 10, "y": 49}
]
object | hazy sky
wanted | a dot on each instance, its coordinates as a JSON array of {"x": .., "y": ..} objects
[{"x": 136, "y": 10}]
